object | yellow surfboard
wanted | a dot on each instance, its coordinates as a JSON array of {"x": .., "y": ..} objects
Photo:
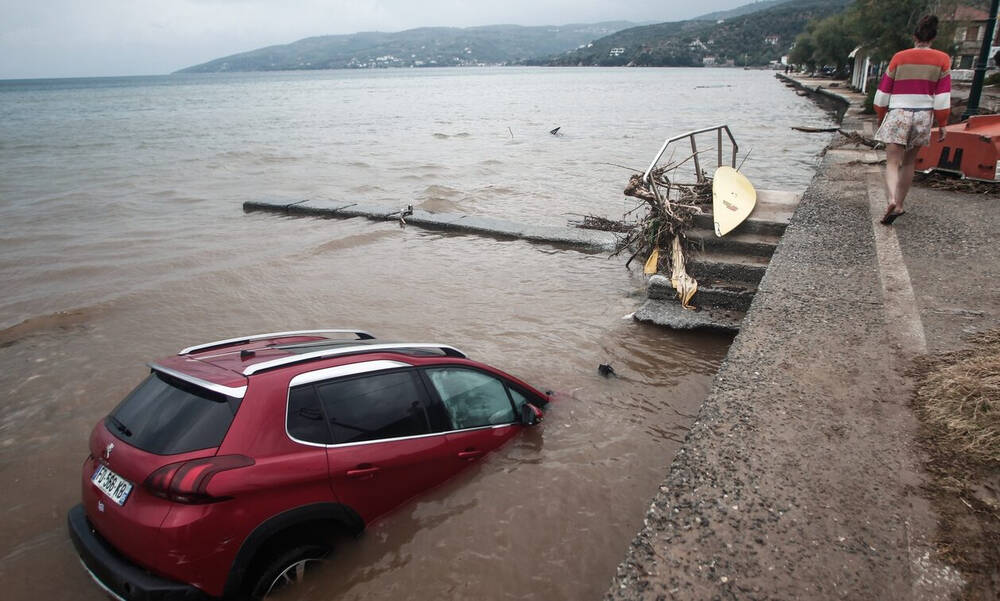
[{"x": 733, "y": 199}]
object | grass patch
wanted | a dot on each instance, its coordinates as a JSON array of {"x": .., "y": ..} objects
[{"x": 957, "y": 400}]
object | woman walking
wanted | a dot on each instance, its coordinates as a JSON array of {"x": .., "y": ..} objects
[{"x": 914, "y": 94}]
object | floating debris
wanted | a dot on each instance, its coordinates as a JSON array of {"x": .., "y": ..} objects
[
  {"x": 815, "y": 130},
  {"x": 402, "y": 214},
  {"x": 593, "y": 222},
  {"x": 852, "y": 137}
]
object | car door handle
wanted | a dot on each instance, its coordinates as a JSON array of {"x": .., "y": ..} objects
[
  {"x": 363, "y": 473},
  {"x": 469, "y": 454}
]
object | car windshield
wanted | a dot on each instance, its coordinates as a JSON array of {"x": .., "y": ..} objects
[{"x": 166, "y": 416}]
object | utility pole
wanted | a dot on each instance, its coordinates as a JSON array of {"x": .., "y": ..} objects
[{"x": 976, "y": 91}]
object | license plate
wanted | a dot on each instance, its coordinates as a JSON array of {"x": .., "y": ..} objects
[{"x": 111, "y": 484}]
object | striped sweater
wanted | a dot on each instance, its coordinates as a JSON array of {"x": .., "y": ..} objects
[{"x": 918, "y": 78}]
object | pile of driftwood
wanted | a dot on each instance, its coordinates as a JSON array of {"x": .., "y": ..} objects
[
  {"x": 941, "y": 181},
  {"x": 670, "y": 210},
  {"x": 658, "y": 234},
  {"x": 850, "y": 137}
]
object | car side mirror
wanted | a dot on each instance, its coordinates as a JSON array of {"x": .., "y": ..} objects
[{"x": 530, "y": 415}]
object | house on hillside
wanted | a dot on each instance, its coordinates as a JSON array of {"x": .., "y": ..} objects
[
  {"x": 772, "y": 40},
  {"x": 970, "y": 29}
]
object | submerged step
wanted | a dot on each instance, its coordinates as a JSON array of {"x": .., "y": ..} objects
[
  {"x": 670, "y": 314},
  {"x": 725, "y": 295},
  {"x": 463, "y": 222}
]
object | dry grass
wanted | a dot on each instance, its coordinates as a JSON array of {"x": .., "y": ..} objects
[
  {"x": 959, "y": 399},
  {"x": 950, "y": 183}
]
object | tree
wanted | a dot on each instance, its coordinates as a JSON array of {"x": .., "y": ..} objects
[
  {"x": 886, "y": 26},
  {"x": 805, "y": 49},
  {"x": 834, "y": 39},
  {"x": 883, "y": 27}
]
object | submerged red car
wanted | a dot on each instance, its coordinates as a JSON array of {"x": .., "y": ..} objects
[{"x": 235, "y": 463}]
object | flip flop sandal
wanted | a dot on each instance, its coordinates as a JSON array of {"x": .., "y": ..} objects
[{"x": 888, "y": 219}]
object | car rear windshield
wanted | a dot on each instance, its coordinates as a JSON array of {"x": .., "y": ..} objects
[{"x": 167, "y": 416}]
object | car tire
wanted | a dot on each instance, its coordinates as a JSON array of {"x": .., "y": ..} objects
[{"x": 285, "y": 568}]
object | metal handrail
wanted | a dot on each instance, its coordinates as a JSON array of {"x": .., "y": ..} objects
[{"x": 694, "y": 149}]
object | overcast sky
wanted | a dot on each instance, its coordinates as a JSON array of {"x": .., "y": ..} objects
[{"x": 79, "y": 38}]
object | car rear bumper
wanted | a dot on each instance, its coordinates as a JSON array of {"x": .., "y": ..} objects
[{"x": 118, "y": 576}]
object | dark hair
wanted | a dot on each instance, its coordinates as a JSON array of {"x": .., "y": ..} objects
[{"x": 926, "y": 28}]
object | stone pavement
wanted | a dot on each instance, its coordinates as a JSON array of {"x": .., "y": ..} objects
[{"x": 801, "y": 477}]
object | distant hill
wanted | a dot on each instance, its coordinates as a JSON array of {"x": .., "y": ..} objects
[
  {"x": 753, "y": 38},
  {"x": 739, "y": 11},
  {"x": 424, "y": 47}
]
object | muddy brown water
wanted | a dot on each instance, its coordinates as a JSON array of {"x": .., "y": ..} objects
[
  {"x": 546, "y": 517},
  {"x": 122, "y": 240}
]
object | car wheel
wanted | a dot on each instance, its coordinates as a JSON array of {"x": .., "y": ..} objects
[{"x": 286, "y": 569}]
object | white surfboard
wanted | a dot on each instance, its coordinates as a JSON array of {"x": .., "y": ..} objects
[{"x": 733, "y": 199}]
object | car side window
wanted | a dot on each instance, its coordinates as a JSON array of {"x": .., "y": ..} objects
[
  {"x": 374, "y": 407},
  {"x": 305, "y": 420},
  {"x": 472, "y": 398},
  {"x": 518, "y": 398}
]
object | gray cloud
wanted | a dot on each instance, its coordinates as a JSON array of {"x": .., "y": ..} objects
[{"x": 69, "y": 38}]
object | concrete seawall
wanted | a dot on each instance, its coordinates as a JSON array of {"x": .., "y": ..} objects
[
  {"x": 833, "y": 100},
  {"x": 456, "y": 222},
  {"x": 801, "y": 476}
]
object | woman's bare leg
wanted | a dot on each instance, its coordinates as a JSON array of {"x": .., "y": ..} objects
[
  {"x": 905, "y": 177},
  {"x": 893, "y": 163}
]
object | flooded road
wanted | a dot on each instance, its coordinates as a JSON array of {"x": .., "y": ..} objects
[
  {"x": 122, "y": 240},
  {"x": 546, "y": 517}
]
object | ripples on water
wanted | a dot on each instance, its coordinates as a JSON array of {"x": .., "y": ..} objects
[
  {"x": 123, "y": 239},
  {"x": 160, "y": 166}
]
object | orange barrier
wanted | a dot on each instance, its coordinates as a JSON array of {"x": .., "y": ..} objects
[{"x": 971, "y": 150}]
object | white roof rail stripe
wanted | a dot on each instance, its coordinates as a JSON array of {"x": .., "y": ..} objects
[
  {"x": 351, "y": 350},
  {"x": 361, "y": 334},
  {"x": 237, "y": 392},
  {"x": 351, "y": 369}
]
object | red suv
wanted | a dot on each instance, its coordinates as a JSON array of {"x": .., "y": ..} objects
[{"x": 235, "y": 463}]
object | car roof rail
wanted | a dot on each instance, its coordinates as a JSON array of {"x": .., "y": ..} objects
[
  {"x": 390, "y": 347},
  {"x": 361, "y": 335}
]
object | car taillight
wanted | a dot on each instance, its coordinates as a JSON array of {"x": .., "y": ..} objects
[{"x": 187, "y": 481}]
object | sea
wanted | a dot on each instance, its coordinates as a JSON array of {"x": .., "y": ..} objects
[{"x": 123, "y": 239}]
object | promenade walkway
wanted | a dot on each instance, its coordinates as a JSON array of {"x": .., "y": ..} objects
[{"x": 801, "y": 477}]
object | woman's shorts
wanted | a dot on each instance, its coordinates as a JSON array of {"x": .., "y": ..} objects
[{"x": 909, "y": 128}]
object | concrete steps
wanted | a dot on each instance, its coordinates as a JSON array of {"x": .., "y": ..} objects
[
  {"x": 723, "y": 295},
  {"x": 715, "y": 266},
  {"x": 754, "y": 245},
  {"x": 770, "y": 216},
  {"x": 728, "y": 269}
]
